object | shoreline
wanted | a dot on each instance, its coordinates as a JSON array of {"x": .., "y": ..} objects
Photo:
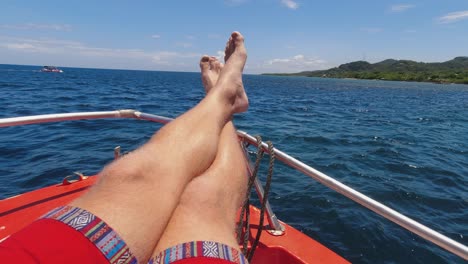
[
  {"x": 454, "y": 71},
  {"x": 361, "y": 79}
]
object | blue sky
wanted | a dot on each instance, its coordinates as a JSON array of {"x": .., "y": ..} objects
[{"x": 281, "y": 35}]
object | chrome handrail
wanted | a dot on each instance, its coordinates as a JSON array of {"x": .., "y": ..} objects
[
  {"x": 37, "y": 119},
  {"x": 371, "y": 204},
  {"x": 388, "y": 213}
]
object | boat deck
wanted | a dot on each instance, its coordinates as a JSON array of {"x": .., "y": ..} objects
[{"x": 291, "y": 247}]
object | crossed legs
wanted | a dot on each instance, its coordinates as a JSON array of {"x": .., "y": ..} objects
[
  {"x": 138, "y": 193},
  {"x": 208, "y": 206}
]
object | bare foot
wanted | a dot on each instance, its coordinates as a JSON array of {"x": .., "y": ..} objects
[
  {"x": 230, "y": 77},
  {"x": 210, "y": 70}
]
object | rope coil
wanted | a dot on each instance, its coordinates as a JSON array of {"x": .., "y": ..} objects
[{"x": 245, "y": 211}]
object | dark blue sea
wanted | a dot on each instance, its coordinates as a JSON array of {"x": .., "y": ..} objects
[{"x": 403, "y": 144}]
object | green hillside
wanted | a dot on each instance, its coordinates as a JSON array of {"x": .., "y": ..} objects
[{"x": 453, "y": 71}]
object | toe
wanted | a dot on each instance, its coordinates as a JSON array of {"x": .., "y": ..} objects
[
  {"x": 226, "y": 51},
  {"x": 205, "y": 62},
  {"x": 212, "y": 62},
  {"x": 217, "y": 66},
  {"x": 235, "y": 34},
  {"x": 237, "y": 37},
  {"x": 235, "y": 44}
]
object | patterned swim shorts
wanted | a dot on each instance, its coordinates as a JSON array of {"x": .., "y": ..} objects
[{"x": 72, "y": 235}]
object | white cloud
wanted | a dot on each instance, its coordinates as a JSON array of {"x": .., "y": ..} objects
[
  {"x": 64, "y": 48},
  {"x": 290, "y": 4},
  {"x": 37, "y": 45},
  {"x": 299, "y": 57},
  {"x": 33, "y": 26},
  {"x": 168, "y": 57},
  {"x": 20, "y": 46},
  {"x": 155, "y": 36},
  {"x": 293, "y": 64},
  {"x": 371, "y": 29},
  {"x": 453, "y": 17},
  {"x": 273, "y": 61},
  {"x": 401, "y": 8},
  {"x": 220, "y": 55}
]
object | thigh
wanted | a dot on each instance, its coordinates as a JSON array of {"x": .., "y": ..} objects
[{"x": 208, "y": 207}]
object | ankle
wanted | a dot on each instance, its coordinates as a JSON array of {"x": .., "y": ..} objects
[{"x": 224, "y": 95}]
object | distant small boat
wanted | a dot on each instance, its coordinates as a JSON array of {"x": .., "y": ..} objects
[{"x": 50, "y": 69}]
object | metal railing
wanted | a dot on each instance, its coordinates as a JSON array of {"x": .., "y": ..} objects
[{"x": 388, "y": 213}]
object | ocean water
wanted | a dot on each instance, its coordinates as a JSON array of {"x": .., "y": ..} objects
[{"x": 403, "y": 144}]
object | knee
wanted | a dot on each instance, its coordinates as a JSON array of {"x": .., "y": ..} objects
[{"x": 122, "y": 172}]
